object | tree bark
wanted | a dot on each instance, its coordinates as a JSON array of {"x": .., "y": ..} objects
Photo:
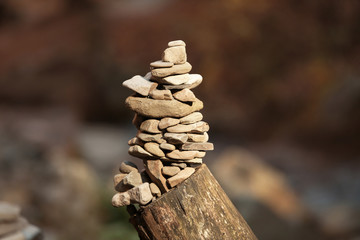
[{"x": 198, "y": 208}]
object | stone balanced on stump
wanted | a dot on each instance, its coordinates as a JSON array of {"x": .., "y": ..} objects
[{"x": 172, "y": 136}]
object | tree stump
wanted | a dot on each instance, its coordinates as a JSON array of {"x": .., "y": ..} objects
[{"x": 198, "y": 208}]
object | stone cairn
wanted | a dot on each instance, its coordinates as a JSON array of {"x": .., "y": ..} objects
[
  {"x": 172, "y": 138},
  {"x": 15, "y": 227}
]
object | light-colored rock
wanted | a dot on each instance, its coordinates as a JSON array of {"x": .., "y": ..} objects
[
  {"x": 195, "y": 160},
  {"x": 138, "y": 151},
  {"x": 9, "y": 212},
  {"x": 160, "y": 108},
  {"x": 121, "y": 187},
  {"x": 170, "y": 170},
  {"x": 135, "y": 141},
  {"x": 155, "y": 190},
  {"x": 127, "y": 167},
  {"x": 167, "y": 146},
  {"x": 176, "y": 69},
  {"x": 185, "y": 95},
  {"x": 180, "y": 165},
  {"x": 206, "y": 146},
  {"x": 137, "y": 120},
  {"x": 200, "y": 154},
  {"x": 191, "y": 118},
  {"x": 150, "y": 126},
  {"x": 141, "y": 194},
  {"x": 167, "y": 122},
  {"x": 176, "y": 138},
  {"x": 140, "y": 85},
  {"x": 148, "y": 76},
  {"x": 132, "y": 179},
  {"x": 195, "y": 80},
  {"x": 176, "y": 43},
  {"x": 176, "y": 55},
  {"x": 198, "y": 137},
  {"x": 153, "y": 169},
  {"x": 121, "y": 199},
  {"x": 175, "y": 79},
  {"x": 161, "y": 94},
  {"x": 182, "y": 155},
  {"x": 154, "y": 149},
  {"x": 198, "y": 127},
  {"x": 150, "y": 137},
  {"x": 180, "y": 177},
  {"x": 161, "y": 64},
  {"x": 118, "y": 178}
]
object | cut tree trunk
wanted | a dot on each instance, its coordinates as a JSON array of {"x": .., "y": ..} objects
[{"x": 198, "y": 208}]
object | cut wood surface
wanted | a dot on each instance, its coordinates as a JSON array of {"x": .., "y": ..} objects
[{"x": 198, "y": 208}]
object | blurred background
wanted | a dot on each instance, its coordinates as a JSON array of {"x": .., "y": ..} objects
[{"x": 281, "y": 91}]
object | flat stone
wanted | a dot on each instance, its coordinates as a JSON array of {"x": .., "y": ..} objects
[
  {"x": 161, "y": 64},
  {"x": 150, "y": 137},
  {"x": 141, "y": 194},
  {"x": 153, "y": 169},
  {"x": 9, "y": 212},
  {"x": 170, "y": 171},
  {"x": 198, "y": 127},
  {"x": 191, "y": 118},
  {"x": 161, "y": 94},
  {"x": 160, "y": 109},
  {"x": 167, "y": 122},
  {"x": 176, "y": 138},
  {"x": 150, "y": 126},
  {"x": 200, "y": 154},
  {"x": 140, "y": 85},
  {"x": 198, "y": 137},
  {"x": 185, "y": 95},
  {"x": 137, "y": 120},
  {"x": 176, "y": 55},
  {"x": 121, "y": 199},
  {"x": 182, "y": 155},
  {"x": 180, "y": 177},
  {"x": 195, "y": 160},
  {"x": 167, "y": 146},
  {"x": 206, "y": 146},
  {"x": 154, "y": 149},
  {"x": 176, "y": 43},
  {"x": 135, "y": 141},
  {"x": 127, "y": 167},
  {"x": 118, "y": 178},
  {"x": 148, "y": 76},
  {"x": 175, "y": 79},
  {"x": 176, "y": 69},
  {"x": 180, "y": 165},
  {"x": 132, "y": 179},
  {"x": 195, "y": 80},
  {"x": 155, "y": 190},
  {"x": 139, "y": 152}
]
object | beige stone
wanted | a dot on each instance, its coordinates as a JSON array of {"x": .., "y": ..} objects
[
  {"x": 150, "y": 126},
  {"x": 176, "y": 138},
  {"x": 140, "y": 85},
  {"x": 118, "y": 178},
  {"x": 198, "y": 137},
  {"x": 200, "y": 127},
  {"x": 182, "y": 155},
  {"x": 154, "y": 149},
  {"x": 176, "y": 43},
  {"x": 180, "y": 165},
  {"x": 127, "y": 167},
  {"x": 160, "y": 108},
  {"x": 194, "y": 81},
  {"x": 121, "y": 199},
  {"x": 167, "y": 146},
  {"x": 191, "y": 118},
  {"x": 180, "y": 177},
  {"x": 195, "y": 160},
  {"x": 141, "y": 194},
  {"x": 155, "y": 190},
  {"x": 138, "y": 151},
  {"x": 150, "y": 137},
  {"x": 161, "y": 64},
  {"x": 161, "y": 94},
  {"x": 175, "y": 79},
  {"x": 121, "y": 187},
  {"x": 132, "y": 179},
  {"x": 153, "y": 169},
  {"x": 176, "y": 55},
  {"x": 9, "y": 212},
  {"x": 185, "y": 95},
  {"x": 206, "y": 146},
  {"x": 170, "y": 170},
  {"x": 135, "y": 141},
  {"x": 167, "y": 122},
  {"x": 200, "y": 154},
  {"x": 176, "y": 69}
]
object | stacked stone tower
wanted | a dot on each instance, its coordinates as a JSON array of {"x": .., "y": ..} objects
[{"x": 172, "y": 138}]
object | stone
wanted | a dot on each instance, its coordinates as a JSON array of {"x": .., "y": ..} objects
[
  {"x": 141, "y": 194},
  {"x": 195, "y": 80},
  {"x": 137, "y": 120},
  {"x": 132, "y": 179},
  {"x": 185, "y": 95},
  {"x": 170, "y": 170},
  {"x": 180, "y": 128},
  {"x": 140, "y": 85},
  {"x": 161, "y": 64},
  {"x": 195, "y": 160},
  {"x": 135, "y": 141},
  {"x": 154, "y": 149},
  {"x": 148, "y": 76},
  {"x": 198, "y": 137},
  {"x": 150, "y": 126},
  {"x": 176, "y": 138},
  {"x": 121, "y": 187},
  {"x": 150, "y": 137},
  {"x": 139, "y": 152},
  {"x": 180, "y": 177},
  {"x": 200, "y": 155},
  {"x": 180, "y": 165},
  {"x": 153, "y": 169},
  {"x": 155, "y": 190},
  {"x": 182, "y": 155},
  {"x": 200, "y": 127},
  {"x": 176, "y": 43},
  {"x": 206, "y": 146},
  {"x": 161, "y": 94},
  {"x": 176, "y": 69},
  {"x": 167, "y": 122},
  {"x": 167, "y": 146},
  {"x": 175, "y": 79},
  {"x": 160, "y": 109},
  {"x": 176, "y": 55},
  {"x": 9, "y": 212},
  {"x": 191, "y": 118},
  {"x": 121, "y": 199},
  {"x": 118, "y": 178},
  {"x": 127, "y": 167}
]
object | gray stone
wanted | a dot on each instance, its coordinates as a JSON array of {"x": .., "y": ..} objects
[
  {"x": 155, "y": 190},
  {"x": 154, "y": 149},
  {"x": 206, "y": 146},
  {"x": 176, "y": 43},
  {"x": 141, "y": 194},
  {"x": 150, "y": 126},
  {"x": 170, "y": 171},
  {"x": 161, "y": 94},
  {"x": 185, "y": 95},
  {"x": 180, "y": 177},
  {"x": 121, "y": 199},
  {"x": 176, "y": 55},
  {"x": 167, "y": 122},
  {"x": 176, "y": 138},
  {"x": 132, "y": 179},
  {"x": 182, "y": 155},
  {"x": 191, "y": 118},
  {"x": 198, "y": 137},
  {"x": 161, "y": 64},
  {"x": 127, "y": 167},
  {"x": 195, "y": 80},
  {"x": 176, "y": 69},
  {"x": 140, "y": 85},
  {"x": 150, "y": 137},
  {"x": 167, "y": 146},
  {"x": 138, "y": 151}
]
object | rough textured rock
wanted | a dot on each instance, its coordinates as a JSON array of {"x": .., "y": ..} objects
[
  {"x": 160, "y": 109},
  {"x": 154, "y": 149},
  {"x": 191, "y": 118},
  {"x": 121, "y": 199},
  {"x": 176, "y": 55},
  {"x": 180, "y": 165},
  {"x": 170, "y": 171},
  {"x": 206, "y": 146},
  {"x": 200, "y": 127},
  {"x": 176, "y": 43},
  {"x": 185, "y": 95},
  {"x": 176, "y": 138},
  {"x": 135, "y": 141},
  {"x": 140, "y": 85},
  {"x": 150, "y": 137},
  {"x": 132, "y": 179},
  {"x": 175, "y": 79},
  {"x": 181, "y": 155},
  {"x": 127, "y": 167},
  {"x": 167, "y": 122},
  {"x": 138, "y": 151},
  {"x": 176, "y": 69},
  {"x": 153, "y": 168},
  {"x": 167, "y": 146},
  {"x": 161, "y": 64},
  {"x": 141, "y": 194},
  {"x": 118, "y": 178},
  {"x": 155, "y": 190},
  {"x": 198, "y": 137},
  {"x": 150, "y": 126},
  {"x": 161, "y": 94},
  {"x": 180, "y": 177}
]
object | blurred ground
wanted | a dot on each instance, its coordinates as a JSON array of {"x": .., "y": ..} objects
[{"x": 281, "y": 91}]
